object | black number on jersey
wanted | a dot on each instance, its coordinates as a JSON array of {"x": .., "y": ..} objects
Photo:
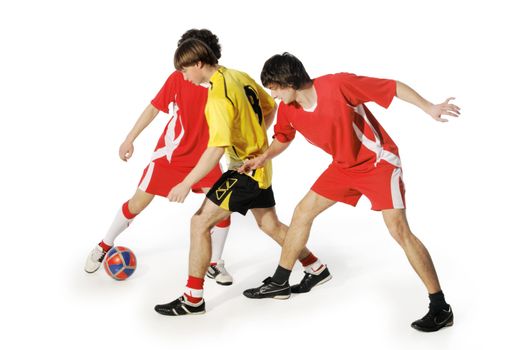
[{"x": 254, "y": 101}]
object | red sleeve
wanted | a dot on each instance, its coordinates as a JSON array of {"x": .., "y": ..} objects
[
  {"x": 359, "y": 89},
  {"x": 283, "y": 131},
  {"x": 167, "y": 93}
]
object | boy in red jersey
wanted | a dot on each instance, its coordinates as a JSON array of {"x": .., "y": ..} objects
[
  {"x": 330, "y": 112},
  {"x": 179, "y": 148}
]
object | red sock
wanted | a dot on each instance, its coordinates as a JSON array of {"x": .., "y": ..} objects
[
  {"x": 224, "y": 223},
  {"x": 194, "y": 289},
  {"x": 125, "y": 210},
  {"x": 309, "y": 260},
  {"x": 104, "y": 246}
]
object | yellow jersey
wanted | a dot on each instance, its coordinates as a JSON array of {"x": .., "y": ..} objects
[{"x": 235, "y": 113}]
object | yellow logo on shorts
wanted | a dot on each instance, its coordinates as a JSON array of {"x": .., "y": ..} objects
[{"x": 224, "y": 187}]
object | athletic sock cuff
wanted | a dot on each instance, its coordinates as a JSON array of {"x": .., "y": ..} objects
[
  {"x": 281, "y": 275},
  {"x": 309, "y": 260},
  {"x": 224, "y": 223},
  {"x": 195, "y": 282},
  {"x": 125, "y": 210},
  {"x": 104, "y": 246},
  {"x": 437, "y": 301}
]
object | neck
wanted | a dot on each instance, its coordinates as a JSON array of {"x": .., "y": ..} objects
[
  {"x": 307, "y": 97},
  {"x": 208, "y": 72}
]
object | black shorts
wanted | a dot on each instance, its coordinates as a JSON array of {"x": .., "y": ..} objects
[{"x": 239, "y": 193}]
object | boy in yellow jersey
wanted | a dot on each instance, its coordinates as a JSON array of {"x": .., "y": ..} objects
[{"x": 238, "y": 112}]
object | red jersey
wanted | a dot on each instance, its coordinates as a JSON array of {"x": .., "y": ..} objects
[
  {"x": 340, "y": 123},
  {"x": 185, "y": 137}
]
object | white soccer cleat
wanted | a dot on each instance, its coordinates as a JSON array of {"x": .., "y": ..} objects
[
  {"x": 94, "y": 259},
  {"x": 219, "y": 274}
]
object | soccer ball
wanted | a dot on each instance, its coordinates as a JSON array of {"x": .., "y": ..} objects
[{"x": 120, "y": 263}]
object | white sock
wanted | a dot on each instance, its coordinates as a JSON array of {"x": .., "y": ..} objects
[
  {"x": 120, "y": 223},
  {"x": 315, "y": 268},
  {"x": 218, "y": 239}
]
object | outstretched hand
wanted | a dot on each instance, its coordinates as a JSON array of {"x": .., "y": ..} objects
[{"x": 445, "y": 108}]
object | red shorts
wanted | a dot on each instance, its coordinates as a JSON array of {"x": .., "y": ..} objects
[
  {"x": 381, "y": 184},
  {"x": 159, "y": 180}
]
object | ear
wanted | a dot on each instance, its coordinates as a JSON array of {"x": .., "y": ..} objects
[{"x": 200, "y": 64}]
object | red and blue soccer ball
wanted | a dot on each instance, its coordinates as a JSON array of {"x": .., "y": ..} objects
[{"x": 120, "y": 263}]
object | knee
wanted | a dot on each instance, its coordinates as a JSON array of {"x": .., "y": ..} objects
[
  {"x": 136, "y": 206},
  {"x": 268, "y": 227},
  {"x": 199, "y": 225},
  {"x": 400, "y": 231},
  {"x": 303, "y": 213}
]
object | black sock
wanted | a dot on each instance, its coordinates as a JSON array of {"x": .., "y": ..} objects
[
  {"x": 281, "y": 275},
  {"x": 437, "y": 302}
]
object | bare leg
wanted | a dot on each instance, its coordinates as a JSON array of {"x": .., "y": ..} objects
[
  {"x": 297, "y": 236},
  {"x": 269, "y": 223},
  {"x": 139, "y": 201},
  {"x": 417, "y": 254},
  {"x": 200, "y": 244}
]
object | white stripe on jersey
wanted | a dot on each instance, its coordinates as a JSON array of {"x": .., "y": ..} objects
[
  {"x": 170, "y": 142},
  {"x": 374, "y": 146}
]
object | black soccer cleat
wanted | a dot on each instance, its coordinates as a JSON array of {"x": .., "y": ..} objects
[
  {"x": 269, "y": 289},
  {"x": 180, "y": 307},
  {"x": 433, "y": 321},
  {"x": 311, "y": 280}
]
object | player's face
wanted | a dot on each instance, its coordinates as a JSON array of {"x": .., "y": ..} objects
[
  {"x": 286, "y": 95},
  {"x": 193, "y": 74}
]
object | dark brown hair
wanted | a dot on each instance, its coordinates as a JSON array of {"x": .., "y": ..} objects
[
  {"x": 206, "y": 36},
  {"x": 192, "y": 51},
  {"x": 284, "y": 71}
]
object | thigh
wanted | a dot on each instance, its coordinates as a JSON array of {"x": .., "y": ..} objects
[
  {"x": 396, "y": 220},
  {"x": 313, "y": 204},
  {"x": 265, "y": 216},
  {"x": 210, "y": 213}
]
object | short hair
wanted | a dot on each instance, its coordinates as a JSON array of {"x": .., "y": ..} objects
[
  {"x": 284, "y": 71},
  {"x": 206, "y": 36},
  {"x": 192, "y": 51}
]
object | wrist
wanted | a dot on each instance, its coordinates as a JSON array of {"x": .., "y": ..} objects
[
  {"x": 265, "y": 156},
  {"x": 129, "y": 139},
  {"x": 187, "y": 183}
]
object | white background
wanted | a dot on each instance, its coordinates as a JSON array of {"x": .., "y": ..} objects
[{"x": 75, "y": 75}]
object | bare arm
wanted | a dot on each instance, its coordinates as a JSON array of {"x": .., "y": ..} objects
[
  {"x": 407, "y": 94},
  {"x": 147, "y": 116},
  {"x": 207, "y": 161},
  {"x": 273, "y": 151}
]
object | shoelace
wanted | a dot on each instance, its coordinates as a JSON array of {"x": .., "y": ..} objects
[
  {"x": 429, "y": 316},
  {"x": 99, "y": 255},
  {"x": 305, "y": 279},
  {"x": 216, "y": 271},
  {"x": 221, "y": 269}
]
